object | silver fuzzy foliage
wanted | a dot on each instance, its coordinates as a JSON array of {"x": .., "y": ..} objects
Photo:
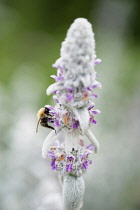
[
  {"x": 73, "y": 191},
  {"x": 78, "y": 54}
]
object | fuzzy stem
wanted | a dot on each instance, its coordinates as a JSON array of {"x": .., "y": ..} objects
[{"x": 73, "y": 191}]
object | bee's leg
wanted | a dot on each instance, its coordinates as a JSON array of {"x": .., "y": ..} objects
[
  {"x": 48, "y": 126},
  {"x": 49, "y": 114}
]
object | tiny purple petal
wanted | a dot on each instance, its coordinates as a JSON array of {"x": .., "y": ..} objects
[
  {"x": 55, "y": 92},
  {"x": 90, "y": 147},
  {"x": 53, "y": 168},
  {"x": 51, "y": 154},
  {"x": 57, "y": 66},
  {"x": 69, "y": 97},
  {"x": 52, "y": 112},
  {"x": 84, "y": 155},
  {"x": 96, "y": 111},
  {"x": 95, "y": 96},
  {"x": 54, "y": 77},
  {"x": 50, "y": 107},
  {"x": 69, "y": 167},
  {"x": 94, "y": 86},
  {"x": 90, "y": 107},
  {"x": 94, "y": 121},
  {"x": 75, "y": 124},
  {"x": 85, "y": 165},
  {"x": 97, "y": 85},
  {"x": 60, "y": 78},
  {"x": 71, "y": 90},
  {"x": 97, "y": 61},
  {"x": 60, "y": 74},
  {"x": 70, "y": 158},
  {"x": 56, "y": 124},
  {"x": 53, "y": 164},
  {"x": 89, "y": 88}
]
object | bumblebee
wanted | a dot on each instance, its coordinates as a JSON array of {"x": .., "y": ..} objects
[{"x": 44, "y": 116}]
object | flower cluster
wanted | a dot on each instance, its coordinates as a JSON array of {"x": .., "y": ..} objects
[
  {"x": 74, "y": 162},
  {"x": 71, "y": 95},
  {"x": 64, "y": 117}
]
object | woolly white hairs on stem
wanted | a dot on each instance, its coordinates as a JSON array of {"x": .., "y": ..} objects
[{"x": 73, "y": 191}]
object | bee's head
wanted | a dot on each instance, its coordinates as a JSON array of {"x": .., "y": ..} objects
[{"x": 41, "y": 112}]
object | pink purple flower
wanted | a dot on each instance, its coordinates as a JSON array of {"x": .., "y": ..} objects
[{"x": 77, "y": 160}]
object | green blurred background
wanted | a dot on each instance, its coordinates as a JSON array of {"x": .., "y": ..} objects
[{"x": 31, "y": 33}]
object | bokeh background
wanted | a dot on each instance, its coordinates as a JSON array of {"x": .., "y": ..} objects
[{"x": 31, "y": 33}]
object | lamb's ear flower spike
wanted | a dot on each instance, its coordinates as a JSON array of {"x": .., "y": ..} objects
[{"x": 74, "y": 113}]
